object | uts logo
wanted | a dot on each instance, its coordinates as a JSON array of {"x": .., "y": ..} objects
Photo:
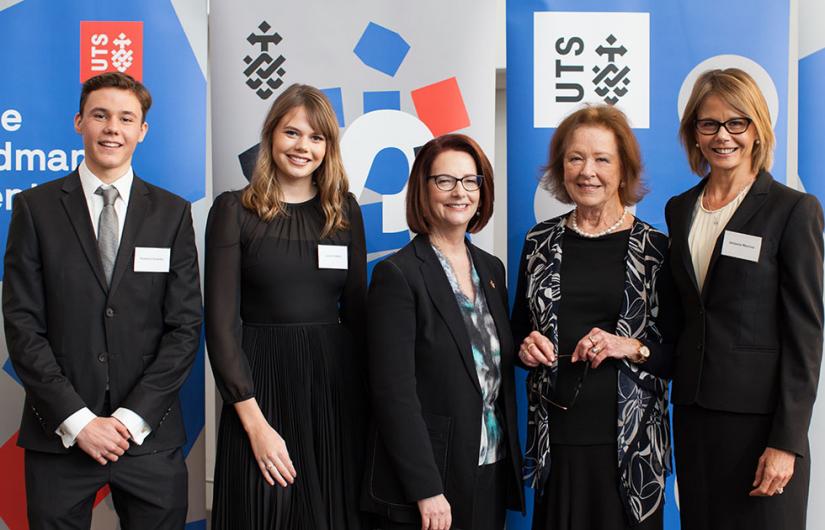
[
  {"x": 591, "y": 58},
  {"x": 111, "y": 47},
  {"x": 263, "y": 72}
]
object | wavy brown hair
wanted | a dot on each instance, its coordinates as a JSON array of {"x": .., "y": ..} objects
[
  {"x": 630, "y": 154},
  {"x": 264, "y": 196}
]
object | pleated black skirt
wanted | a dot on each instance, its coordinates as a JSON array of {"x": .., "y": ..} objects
[
  {"x": 582, "y": 492},
  {"x": 308, "y": 383},
  {"x": 716, "y": 458}
]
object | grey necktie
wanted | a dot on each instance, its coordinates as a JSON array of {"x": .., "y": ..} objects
[{"x": 107, "y": 231}]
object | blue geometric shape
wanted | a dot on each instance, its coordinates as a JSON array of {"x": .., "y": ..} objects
[
  {"x": 384, "y": 100},
  {"x": 381, "y": 48},
  {"x": 337, "y": 100},
  {"x": 377, "y": 239},
  {"x": 389, "y": 171},
  {"x": 196, "y": 525},
  {"x": 9, "y": 369},
  {"x": 811, "y": 117}
]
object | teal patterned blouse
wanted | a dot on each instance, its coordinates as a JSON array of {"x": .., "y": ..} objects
[{"x": 487, "y": 356}]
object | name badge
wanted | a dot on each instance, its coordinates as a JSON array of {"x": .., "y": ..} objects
[
  {"x": 332, "y": 257},
  {"x": 152, "y": 259},
  {"x": 742, "y": 246}
]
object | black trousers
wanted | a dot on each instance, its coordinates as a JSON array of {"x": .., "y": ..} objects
[
  {"x": 489, "y": 500},
  {"x": 148, "y": 491},
  {"x": 716, "y": 457}
]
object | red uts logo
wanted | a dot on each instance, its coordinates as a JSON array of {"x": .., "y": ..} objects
[{"x": 111, "y": 47}]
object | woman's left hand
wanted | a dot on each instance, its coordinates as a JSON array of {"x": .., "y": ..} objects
[
  {"x": 598, "y": 345},
  {"x": 773, "y": 472}
]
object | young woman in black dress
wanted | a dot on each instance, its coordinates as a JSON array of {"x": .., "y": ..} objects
[{"x": 285, "y": 294}]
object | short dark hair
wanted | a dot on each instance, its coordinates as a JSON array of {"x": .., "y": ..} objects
[
  {"x": 630, "y": 154},
  {"x": 121, "y": 81},
  {"x": 419, "y": 215}
]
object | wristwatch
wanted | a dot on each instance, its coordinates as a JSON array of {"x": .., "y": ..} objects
[{"x": 642, "y": 354}]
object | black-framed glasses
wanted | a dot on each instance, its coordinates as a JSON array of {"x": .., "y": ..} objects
[
  {"x": 733, "y": 126},
  {"x": 579, "y": 383},
  {"x": 448, "y": 182}
]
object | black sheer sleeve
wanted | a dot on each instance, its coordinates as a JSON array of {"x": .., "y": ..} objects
[
  {"x": 223, "y": 300},
  {"x": 354, "y": 296}
]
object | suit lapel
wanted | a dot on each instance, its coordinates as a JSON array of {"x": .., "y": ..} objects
[
  {"x": 78, "y": 211},
  {"x": 752, "y": 202},
  {"x": 682, "y": 219},
  {"x": 444, "y": 301},
  {"x": 135, "y": 214}
]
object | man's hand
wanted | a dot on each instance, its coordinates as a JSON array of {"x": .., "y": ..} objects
[{"x": 104, "y": 439}]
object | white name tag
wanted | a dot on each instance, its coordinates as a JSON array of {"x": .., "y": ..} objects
[
  {"x": 332, "y": 257},
  {"x": 152, "y": 259},
  {"x": 742, "y": 246}
]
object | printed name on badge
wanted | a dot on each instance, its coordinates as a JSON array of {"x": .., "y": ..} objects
[
  {"x": 332, "y": 257},
  {"x": 742, "y": 246},
  {"x": 152, "y": 259}
]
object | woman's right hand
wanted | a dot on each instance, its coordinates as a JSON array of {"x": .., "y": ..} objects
[
  {"x": 268, "y": 447},
  {"x": 271, "y": 455},
  {"x": 536, "y": 349},
  {"x": 435, "y": 513}
]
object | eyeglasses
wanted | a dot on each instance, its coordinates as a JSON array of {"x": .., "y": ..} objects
[
  {"x": 733, "y": 126},
  {"x": 448, "y": 182},
  {"x": 558, "y": 403}
]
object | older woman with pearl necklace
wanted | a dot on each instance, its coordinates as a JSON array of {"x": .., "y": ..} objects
[{"x": 597, "y": 418}]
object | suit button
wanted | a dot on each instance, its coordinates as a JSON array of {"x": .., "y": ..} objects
[
  {"x": 102, "y": 357},
  {"x": 110, "y": 312}
]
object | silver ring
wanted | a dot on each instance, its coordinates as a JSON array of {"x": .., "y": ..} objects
[
  {"x": 780, "y": 491},
  {"x": 595, "y": 349}
]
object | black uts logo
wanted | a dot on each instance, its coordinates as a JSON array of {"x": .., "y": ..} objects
[
  {"x": 611, "y": 80},
  {"x": 264, "y": 72}
]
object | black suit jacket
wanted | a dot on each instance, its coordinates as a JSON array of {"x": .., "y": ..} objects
[
  {"x": 426, "y": 394},
  {"x": 752, "y": 338},
  {"x": 69, "y": 336}
]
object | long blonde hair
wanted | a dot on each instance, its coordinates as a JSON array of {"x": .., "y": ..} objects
[{"x": 264, "y": 196}]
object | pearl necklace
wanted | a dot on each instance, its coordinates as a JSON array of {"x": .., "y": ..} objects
[{"x": 604, "y": 232}]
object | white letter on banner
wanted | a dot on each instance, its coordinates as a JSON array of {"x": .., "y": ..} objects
[
  {"x": 11, "y": 120},
  {"x": 365, "y": 137}
]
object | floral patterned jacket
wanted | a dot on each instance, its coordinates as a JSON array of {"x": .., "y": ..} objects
[{"x": 643, "y": 436}]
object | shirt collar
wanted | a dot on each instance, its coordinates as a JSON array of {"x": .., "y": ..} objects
[{"x": 90, "y": 182}]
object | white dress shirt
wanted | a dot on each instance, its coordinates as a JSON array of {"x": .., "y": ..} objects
[{"x": 71, "y": 426}]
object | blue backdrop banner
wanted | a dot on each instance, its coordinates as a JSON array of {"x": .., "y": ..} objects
[
  {"x": 642, "y": 56},
  {"x": 46, "y": 50}
]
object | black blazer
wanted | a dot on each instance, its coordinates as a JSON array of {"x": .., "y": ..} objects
[
  {"x": 69, "y": 335},
  {"x": 426, "y": 395},
  {"x": 752, "y": 338}
]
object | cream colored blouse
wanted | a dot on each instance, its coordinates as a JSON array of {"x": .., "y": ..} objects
[{"x": 705, "y": 230}]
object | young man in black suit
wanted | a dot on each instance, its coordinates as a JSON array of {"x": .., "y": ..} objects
[{"x": 102, "y": 312}]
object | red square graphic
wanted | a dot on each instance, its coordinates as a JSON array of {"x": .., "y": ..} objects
[
  {"x": 441, "y": 107},
  {"x": 111, "y": 46}
]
